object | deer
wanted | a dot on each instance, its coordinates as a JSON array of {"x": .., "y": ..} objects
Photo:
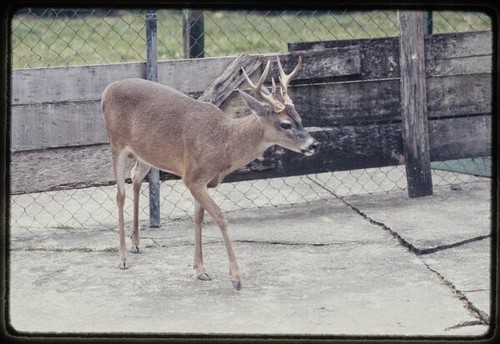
[{"x": 196, "y": 141}]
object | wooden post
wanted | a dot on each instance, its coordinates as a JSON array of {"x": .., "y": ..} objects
[
  {"x": 224, "y": 85},
  {"x": 152, "y": 74},
  {"x": 193, "y": 30},
  {"x": 414, "y": 103}
]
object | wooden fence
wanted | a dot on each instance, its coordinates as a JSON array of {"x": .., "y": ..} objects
[{"x": 348, "y": 93}]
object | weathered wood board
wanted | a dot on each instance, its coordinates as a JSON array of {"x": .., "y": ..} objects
[
  {"x": 445, "y": 54},
  {"x": 414, "y": 103},
  {"x": 190, "y": 76},
  {"x": 222, "y": 87},
  {"x": 342, "y": 148},
  {"x": 323, "y": 104},
  {"x": 52, "y": 125},
  {"x": 70, "y": 167},
  {"x": 378, "y": 101}
]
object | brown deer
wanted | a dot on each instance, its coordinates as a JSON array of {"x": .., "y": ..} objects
[{"x": 196, "y": 141}]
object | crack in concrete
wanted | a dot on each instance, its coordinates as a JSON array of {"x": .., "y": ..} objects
[
  {"x": 289, "y": 243},
  {"x": 483, "y": 317},
  {"x": 417, "y": 251},
  {"x": 400, "y": 239},
  {"x": 452, "y": 245},
  {"x": 396, "y": 235},
  {"x": 475, "y": 290},
  {"x": 157, "y": 244},
  {"x": 245, "y": 241},
  {"x": 464, "y": 324},
  {"x": 67, "y": 249}
]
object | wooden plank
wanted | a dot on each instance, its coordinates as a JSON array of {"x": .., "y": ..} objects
[
  {"x": 225, "y": 84},
  {"x": 55, "y": 125},
  {"x": 457, "y": 66},
  {"x": 318, "y": 65},
  {"x": 379, "y": 56},
  {"x": 51, "y": 169},
  {"x": 460, "y": 138},
  {"x": 190, "y": 76},
  {"x": 458, "y": 45},
  {"x": 342, "y": 148},
  {"x": 461, "y": 95},
  {"x": 35, "y": 86},
  {"x": 64, "y": 84},
  {"x": 414, "y": 104},
  {"x": 445, "y": 54},
  {"x": 378, "y": 101},
  {"x": 347, "y": 103},
  {"x": 438, "y": 46}
]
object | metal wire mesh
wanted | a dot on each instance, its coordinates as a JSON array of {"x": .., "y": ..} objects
[
  {"x": 459, "y": 21},
  {"x": 67, "y": 37}
]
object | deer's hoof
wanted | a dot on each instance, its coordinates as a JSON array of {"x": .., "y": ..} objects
[
  {"x": 202, "y": 276},
  {"x": 236, "y": 285},
  {"x": 123, "y": 265},
  {"x": 135, "y": 249}
]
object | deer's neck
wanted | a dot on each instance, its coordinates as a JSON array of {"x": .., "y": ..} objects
[{"x": 247, "y": 140}]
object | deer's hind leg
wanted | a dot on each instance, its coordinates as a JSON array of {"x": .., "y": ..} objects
[
  {"x": 199, "y": 266},
  {"x": 138, "y": 173},
  {"x": 119, "y": 162}
]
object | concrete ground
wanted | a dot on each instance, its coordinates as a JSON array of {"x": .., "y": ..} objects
[{"x": 377, "y": 264}]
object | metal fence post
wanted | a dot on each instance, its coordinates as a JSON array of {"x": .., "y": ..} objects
[
  {"x": 428, "y": 23},
  {"x": 414, "y": 103},
  {"x": 193, "y": 30},
  {"x": 152, "y": 74}
]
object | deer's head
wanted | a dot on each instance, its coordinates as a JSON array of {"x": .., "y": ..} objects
[{"x": 283, "y": 125}]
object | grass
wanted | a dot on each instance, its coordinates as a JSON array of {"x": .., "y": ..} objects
[{"x": 42, "y": 41}]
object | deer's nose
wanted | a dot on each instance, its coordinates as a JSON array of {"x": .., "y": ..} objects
[
  {"x": 314, "y": 146},
  {"x": 311, "y": 149}
]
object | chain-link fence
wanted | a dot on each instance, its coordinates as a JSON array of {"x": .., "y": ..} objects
[{"x": 68, "y": 37}]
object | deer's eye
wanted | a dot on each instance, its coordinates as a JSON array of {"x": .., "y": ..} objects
[{"x": 285, "y": 125}]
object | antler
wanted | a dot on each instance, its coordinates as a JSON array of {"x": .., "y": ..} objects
[
  {"x": 264, "y": 92},
  {"x": 285, "y": 79}
]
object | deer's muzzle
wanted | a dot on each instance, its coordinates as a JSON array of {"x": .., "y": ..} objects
[{"x": 311, "y": 149}]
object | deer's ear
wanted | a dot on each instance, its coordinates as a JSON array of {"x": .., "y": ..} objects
[{"x": 260, "y": 108}]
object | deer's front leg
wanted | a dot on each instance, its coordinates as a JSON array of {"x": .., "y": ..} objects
[
  {"x": 200, "y": 273},
  {"x": 200, "y": 193}
]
